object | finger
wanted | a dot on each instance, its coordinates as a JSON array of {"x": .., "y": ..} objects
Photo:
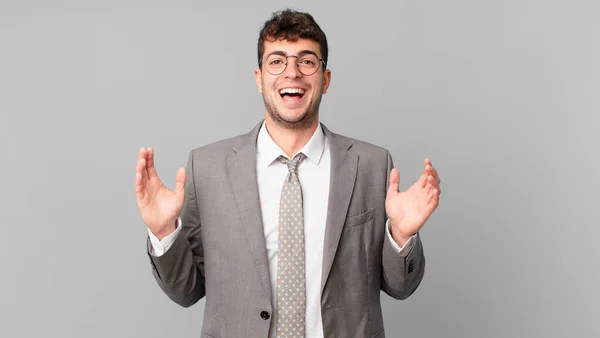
[
  {"x": 436, "y": 192},
  {"x": 394, "y": 181},
  {"x": 432, "y": 181},
  {"x": 140, "y": 192},
  {"x": 139, "y": 174},
  {"x": 141, "y": 164},
  {"x": 433, "y": 196},
  {"x": 151, "y": 168},
  {"x": 432, "y": 188},
  {"x": 429, "y": 167},
  {"x": 139, "y": 186},
  {"x": 429, "y": 188},
  {"x": 433, "y": 203},
  {"x": 431, "y": 171},
  {"x": 180, "y": 181},
  {"x": 141, "y": 168},
  {"x": 423, "y": 180},
  {"x": 141, "y": 154}
]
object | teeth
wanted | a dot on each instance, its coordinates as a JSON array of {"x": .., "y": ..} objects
[{"x": 291, "y": 91}]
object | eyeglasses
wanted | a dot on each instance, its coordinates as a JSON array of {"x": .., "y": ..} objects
[{"x": 307, "y": 64}]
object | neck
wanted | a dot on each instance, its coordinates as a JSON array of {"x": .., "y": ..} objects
[{"x": 290, "y": 140}]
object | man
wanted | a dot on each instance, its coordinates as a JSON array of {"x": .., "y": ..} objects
[{"x": 290, "y": 230}]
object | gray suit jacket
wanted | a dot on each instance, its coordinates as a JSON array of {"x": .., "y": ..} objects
[{"x": 221, "y": 252}]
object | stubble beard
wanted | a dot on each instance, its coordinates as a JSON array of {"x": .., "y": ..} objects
[{"x": 305, "y": 121}]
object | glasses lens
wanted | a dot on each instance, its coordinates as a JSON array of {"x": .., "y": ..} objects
[
  {"x": 275, "y": 64},
  {"x": 308, "y": 64}
]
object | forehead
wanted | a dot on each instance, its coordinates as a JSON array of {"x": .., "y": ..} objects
[{"x": 291, "y": 47}]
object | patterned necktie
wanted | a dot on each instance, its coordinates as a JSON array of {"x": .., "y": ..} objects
[{"x": 291, "y": 289}]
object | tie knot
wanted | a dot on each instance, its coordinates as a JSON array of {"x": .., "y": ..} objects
[{"x": 293, "y": 163}]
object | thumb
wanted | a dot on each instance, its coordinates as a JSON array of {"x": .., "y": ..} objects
[
  {"x": 394, "y": 181},
  {"x": 180, "y": 181}
]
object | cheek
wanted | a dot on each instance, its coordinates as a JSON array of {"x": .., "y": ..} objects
[{"x": 268, "y": 85}]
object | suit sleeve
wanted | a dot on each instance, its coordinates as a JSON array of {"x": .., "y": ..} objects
[
  {"x": 180, "y": 270},
  {"x": 401, "y": 272}
]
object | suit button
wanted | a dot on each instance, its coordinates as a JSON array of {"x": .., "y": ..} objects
[{"x": 265, "y": 315}]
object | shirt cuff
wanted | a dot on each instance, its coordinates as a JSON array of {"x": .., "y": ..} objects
[
  {"x": 404, "y": 250},
  {"x": 159, "y": 247}
]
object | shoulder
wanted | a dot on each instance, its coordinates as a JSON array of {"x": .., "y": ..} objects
[
  {"x": 221, "y": 146},
  {"x": 216, "y": 152},
  {"x": 367, "y": 151}
]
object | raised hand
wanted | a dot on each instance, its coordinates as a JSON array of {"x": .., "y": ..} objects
[
  {"x": 408, "y": 210},
  {"x": 159, "y": 206}
]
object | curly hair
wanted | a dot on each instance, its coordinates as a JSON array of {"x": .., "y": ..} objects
[{"x": 291, "y": 25}]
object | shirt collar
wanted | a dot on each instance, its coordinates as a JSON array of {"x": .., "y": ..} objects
[{"x": 269, "y": 151}]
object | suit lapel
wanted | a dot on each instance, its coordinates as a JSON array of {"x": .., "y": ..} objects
[
  {"x": 344, "y": 164},
  {"x": 241, "y": 171}
]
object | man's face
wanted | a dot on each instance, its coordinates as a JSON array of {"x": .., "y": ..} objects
[{"x": 291, "y": 98}]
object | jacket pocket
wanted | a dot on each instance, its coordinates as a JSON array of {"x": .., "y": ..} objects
[{"x": 363, "y": 218}]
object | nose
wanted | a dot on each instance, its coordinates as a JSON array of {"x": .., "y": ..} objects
[{"x": 291, "y": 70}]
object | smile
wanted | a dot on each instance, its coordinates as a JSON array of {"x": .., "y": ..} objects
[{"x": 292, "y": 95}]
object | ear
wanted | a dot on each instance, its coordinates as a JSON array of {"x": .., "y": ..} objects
[
  {"x": 258, "y": 78},
  {"x": 326, "y": 80}
]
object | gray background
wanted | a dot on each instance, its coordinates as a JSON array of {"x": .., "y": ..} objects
[{"x": 501, "y": 95}]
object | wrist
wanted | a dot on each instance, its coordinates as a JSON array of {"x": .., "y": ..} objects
[
  {"x": 399, "y": 239},
  {"x": 165, "y": 230},
  {"x": 398, "y": 236}
]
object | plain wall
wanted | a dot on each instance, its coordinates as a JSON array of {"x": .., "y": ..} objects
[{"x": 503, "y": 96}]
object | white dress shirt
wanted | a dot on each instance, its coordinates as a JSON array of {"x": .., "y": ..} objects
[{"x": 314, "y": 175}]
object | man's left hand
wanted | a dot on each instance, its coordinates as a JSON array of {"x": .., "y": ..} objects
[{"x": 408, "y": 210}]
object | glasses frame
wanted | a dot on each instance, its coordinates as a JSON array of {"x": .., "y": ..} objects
[{"x": 297, "y": 65}]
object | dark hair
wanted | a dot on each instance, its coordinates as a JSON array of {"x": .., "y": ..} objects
[{"x": 291, "y": 25}]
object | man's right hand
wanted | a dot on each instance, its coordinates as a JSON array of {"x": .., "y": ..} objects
[{"x": 159, "y": 206}]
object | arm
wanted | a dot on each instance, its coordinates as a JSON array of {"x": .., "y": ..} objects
[
  {"x": 402, "y": 271},
  {"x": 180, "y": 270}
]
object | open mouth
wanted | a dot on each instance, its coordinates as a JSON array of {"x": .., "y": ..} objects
[{"x": 291, "y": 95}]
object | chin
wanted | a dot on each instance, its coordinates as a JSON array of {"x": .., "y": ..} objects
[
  {"x": 292, "y": 117},
  {"x": 291, "y": 120}
]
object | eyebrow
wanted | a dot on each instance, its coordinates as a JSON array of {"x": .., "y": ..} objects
[{"x": 300, "y": 53}]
